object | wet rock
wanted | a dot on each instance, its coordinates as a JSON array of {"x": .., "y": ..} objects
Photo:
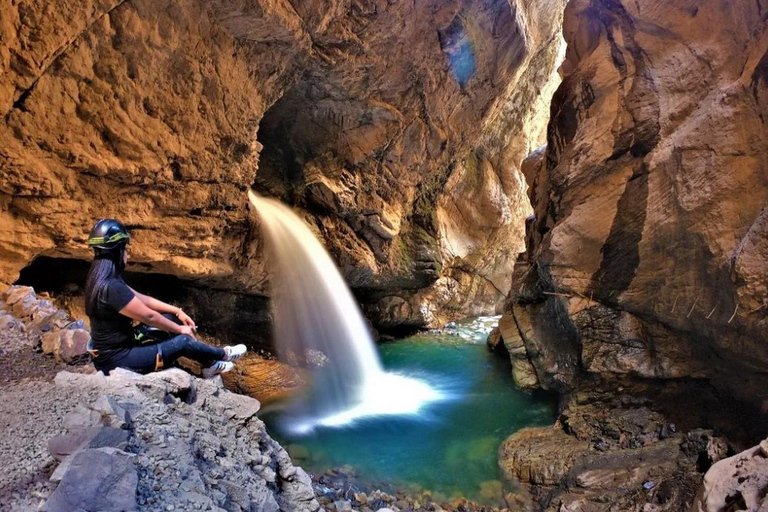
[
  {"x": 298, "y": 452},
  {"x": 342, "y": 505},
  {"x": 526, "y": 456},
  {"x": 603, "y": 449}
]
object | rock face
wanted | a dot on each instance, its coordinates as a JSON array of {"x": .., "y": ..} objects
[
  {"x": 645, "y": 272},
  {"x": 396, "y": 128},
  {"x": 33, "y": 321},
  {"x": 192, "y": 446},
  {"x": 737, "y": 483},
  {"x": 647, "y": 255},
  {"x": 612, "y": 452}
]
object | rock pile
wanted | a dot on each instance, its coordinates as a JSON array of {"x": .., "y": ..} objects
[
  {"x": 32, "y": 321},
  {"x": 169, "y": 441},
  {"x": 610, "y": 449}
]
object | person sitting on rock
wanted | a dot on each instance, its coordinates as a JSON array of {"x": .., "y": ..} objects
[{"x": 111, "y": 306}]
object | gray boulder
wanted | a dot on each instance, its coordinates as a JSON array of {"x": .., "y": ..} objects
[{"x": 97, "y": 479}]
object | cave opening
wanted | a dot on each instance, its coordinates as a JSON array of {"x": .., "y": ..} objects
[
  {"x": 227, "y": 316},
  {"x": 285, "y": 147}
]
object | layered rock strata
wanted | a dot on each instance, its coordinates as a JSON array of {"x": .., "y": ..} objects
[
  {"x": 647, "y": 256},
  {"x": 638, "y": 449},
  {"x": 645, "y": 264},
  {"x": 397, "y": 129}
]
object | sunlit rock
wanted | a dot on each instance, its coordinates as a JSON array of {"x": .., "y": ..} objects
[{"x": 365, "y": 117}]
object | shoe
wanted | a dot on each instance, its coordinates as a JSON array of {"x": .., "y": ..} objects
[
  {"x": 235, "y": 353},
  {"x": 217, "y": 368}
]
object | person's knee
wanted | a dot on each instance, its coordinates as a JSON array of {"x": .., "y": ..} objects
[
  {"x": 185, "y": 340},
  {"x": 177, "y": 344}
]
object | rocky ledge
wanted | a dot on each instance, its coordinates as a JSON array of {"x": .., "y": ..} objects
[
  {"x": 165, "y": 441},
  {"x": 641, "y": 449}
]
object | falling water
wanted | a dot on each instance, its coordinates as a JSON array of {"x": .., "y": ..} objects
[{"x": 316, "y": 317}]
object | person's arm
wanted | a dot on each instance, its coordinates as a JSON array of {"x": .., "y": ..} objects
[
  {"x": 162, "y": 307},
  {"x": 140, "y": 312}
]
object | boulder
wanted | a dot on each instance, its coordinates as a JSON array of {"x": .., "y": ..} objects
[
  {"x": 736, "y": 483},
  {"x": 174, "y": 382},
  {"x": 234, "y": 406},
  {"x": 16, "y": 294},
  {"x": 66, "y": 345},
  {"x": 66, "y": 445},
  {"x": 96, "y": 479},
  {"x": 526, "y": 456}
]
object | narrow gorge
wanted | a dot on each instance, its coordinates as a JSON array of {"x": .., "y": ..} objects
[{"x": 594, "y": 171}]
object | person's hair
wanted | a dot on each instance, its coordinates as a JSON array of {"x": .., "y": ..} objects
[{"x": 105, "y": 266}]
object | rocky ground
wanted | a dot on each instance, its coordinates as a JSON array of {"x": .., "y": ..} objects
[
  {"x": 204, "y": 454},
  {"x": 189, "y": 443},
  {"x": 167, "y": 441},
  {"x": 171, "y": 441}
]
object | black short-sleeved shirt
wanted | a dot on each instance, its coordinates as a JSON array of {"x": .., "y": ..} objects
[{"x": 111, "y": 332}]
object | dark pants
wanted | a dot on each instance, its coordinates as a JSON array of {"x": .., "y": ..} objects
[{"x": 142, "y": 358}]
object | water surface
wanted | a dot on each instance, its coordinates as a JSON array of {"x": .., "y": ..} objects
[{"x": 448, "y": 448}]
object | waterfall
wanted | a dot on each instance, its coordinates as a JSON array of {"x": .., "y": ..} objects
[{"x": 319, "y": 325}]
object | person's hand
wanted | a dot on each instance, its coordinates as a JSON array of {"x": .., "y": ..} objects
[
  {"x": 186, "y": 320},
  {"x": 185, "y": 329}
]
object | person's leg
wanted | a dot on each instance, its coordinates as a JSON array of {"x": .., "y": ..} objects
[
  {"x": 140, "y": 359},
  {"x": 187, "y": 346},
  {"x": 143, "y": 358}
]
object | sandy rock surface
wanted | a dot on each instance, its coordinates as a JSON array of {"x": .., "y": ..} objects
[{"x": 396, "y": 129}]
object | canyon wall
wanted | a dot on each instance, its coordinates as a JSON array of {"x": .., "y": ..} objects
[
  {"x": 647, "y": 256},
  {"x": 397, "y": 130}
]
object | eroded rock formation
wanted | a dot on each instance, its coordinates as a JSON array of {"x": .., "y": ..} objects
[
  {"x": 397, "y": 128},
  {"x": 641, "y": 297},
  {"x": 647, "y": 255}
]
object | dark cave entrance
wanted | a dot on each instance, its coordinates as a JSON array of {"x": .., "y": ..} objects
[
  {"x": 225, "y": 315},
  {"x": 287, "y": 144}
]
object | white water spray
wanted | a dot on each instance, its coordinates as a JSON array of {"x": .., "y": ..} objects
[{"x": 314, "y": 312}]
